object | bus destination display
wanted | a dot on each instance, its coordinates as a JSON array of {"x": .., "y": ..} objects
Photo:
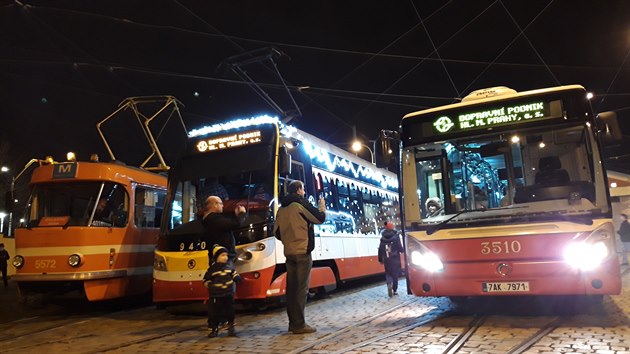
[{"x": 496, "y": 116}]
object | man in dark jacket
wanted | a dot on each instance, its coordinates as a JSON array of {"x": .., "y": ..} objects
[
  {"x": 624, "y": 233},
  {"x": 389, "y": 252},
  {"x": 4, "y": 258},
  {"x": 294, "y": 227},
  {"x": 218, "y": 227}
]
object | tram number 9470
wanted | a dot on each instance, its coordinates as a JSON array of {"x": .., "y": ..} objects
[
  {"x": 500, "y": 247},
  {"x": 192, "y": 246}
]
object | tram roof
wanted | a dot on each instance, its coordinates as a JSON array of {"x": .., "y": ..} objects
[{"x": 100, "y": 171}]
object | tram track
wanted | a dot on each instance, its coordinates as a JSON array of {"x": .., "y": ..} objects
[{"x": 435, "y": 318}]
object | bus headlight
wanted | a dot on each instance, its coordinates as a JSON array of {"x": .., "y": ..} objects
[
  {"x": 585, "y": 255},
  {"x": 74, "y": 260},
  {"x": 423, "y": 257},
  {"x": 18, "y": 261},
  {"x": 159, "y": 263}
]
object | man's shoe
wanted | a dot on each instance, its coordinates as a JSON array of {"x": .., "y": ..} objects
[
  {"x": 213, "y": 333},
  {"x": 390, "y": 291},
  {"x": 305, "y": 329},
  {"x": 231, "y": 330}
]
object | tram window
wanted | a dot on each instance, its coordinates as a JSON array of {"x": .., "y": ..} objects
[
  {"x": 329, "y": 197},
  {"x": 344, "y": 196},
  {"x": 148, "y": 207}
]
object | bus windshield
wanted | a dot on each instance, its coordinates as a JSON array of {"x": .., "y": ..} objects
[
  {"x": 96, "y": 203},
  {"x": 531, "y": 173}
]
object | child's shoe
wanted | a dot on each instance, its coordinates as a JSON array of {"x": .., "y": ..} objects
[
  {"x": 231, "y": 329},
  {"x": 214, "y": 332}
]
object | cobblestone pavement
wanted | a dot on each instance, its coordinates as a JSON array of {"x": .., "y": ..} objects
[{"x": 351, "y": 321}]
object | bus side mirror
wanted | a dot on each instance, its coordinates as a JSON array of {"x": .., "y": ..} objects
[
  {"x": 609, "y": 127},
  {"x": 386, "y": 148},
  {"x": 284, "y": 161}
]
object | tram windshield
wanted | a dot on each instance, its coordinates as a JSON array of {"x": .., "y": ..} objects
[
  {"x": 104, "y": 204},
  {"x": 534, "y": 173},
  {"x": 238, "y": 180}
]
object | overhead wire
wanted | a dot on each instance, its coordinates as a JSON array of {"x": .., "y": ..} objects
[
  {"x": 527, "y": 39},
  {"x": 614, "y": 78},
  {"x": 443, "y": 43},
  {"x": 380, "y": 53},
  {"x": 507, "y": 47},
  {"x": 435, "y": 50}
]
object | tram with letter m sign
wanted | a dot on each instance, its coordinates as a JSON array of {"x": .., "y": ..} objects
[
  {"x": 505, "y": 194},
  {"x": 250, "y": 162}
]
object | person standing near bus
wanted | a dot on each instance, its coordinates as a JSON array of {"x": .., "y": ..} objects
[
  {"x": 4, "y": 258},
  {"x": 294, "y": 227},
  {"x": 624, "y": 233},
  {"x": 389, "y": 251},
  {"x": 218, "y": 227}
]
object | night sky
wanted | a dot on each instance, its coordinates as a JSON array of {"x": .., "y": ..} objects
[{"x": 65, "y": 65}]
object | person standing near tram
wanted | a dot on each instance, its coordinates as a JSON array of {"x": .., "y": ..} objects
[
  {"x": 219, "y": 228},
  {"x": 294, "y": 227}
]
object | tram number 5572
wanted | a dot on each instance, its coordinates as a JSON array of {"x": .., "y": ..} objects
[{"x": 500, "y": 247}]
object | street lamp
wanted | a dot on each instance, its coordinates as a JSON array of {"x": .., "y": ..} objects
[
  {"x": 357, "y": 145},
  {"x": 2, "y": 215}
]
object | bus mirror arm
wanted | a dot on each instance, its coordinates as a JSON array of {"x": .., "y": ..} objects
[
  {"x": 386, "y": 148},
  {"x": 284, "y": 161}
]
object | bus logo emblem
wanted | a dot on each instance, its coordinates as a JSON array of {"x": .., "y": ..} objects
[{"x": 443, "y": 124}]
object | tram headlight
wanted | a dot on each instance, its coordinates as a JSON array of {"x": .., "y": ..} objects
[
  {"x": 423, "y": 257},
  {"x": 74, "y": 260},
  {"x": 245, "y": 256},
  {"x": 18, "y": 261},
  {"x": 159, "y": 263}
]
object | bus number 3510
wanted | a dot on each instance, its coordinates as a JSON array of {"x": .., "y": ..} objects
[{"x": 498, "y": 247}]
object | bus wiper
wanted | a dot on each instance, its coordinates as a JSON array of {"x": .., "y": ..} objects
[
  {"x": 578, "y": 219},
  {"x": 434, "y": 228}
]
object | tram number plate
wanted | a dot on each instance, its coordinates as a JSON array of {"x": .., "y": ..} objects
[{"x": 505, "y": 287}]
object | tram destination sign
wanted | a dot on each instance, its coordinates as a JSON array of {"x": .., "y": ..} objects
[
  {"x": 490, "y": 117},
  {"x": 229, "y": 141}
]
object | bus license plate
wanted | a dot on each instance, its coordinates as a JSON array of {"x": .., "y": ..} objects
[{"x": 505, "y": 287}]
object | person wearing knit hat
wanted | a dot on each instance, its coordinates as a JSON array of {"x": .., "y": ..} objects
[
  {"x": 389, "y": 251},
  {"x": 220, "y": 279}
]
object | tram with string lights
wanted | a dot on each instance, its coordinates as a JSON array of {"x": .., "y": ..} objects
[
  {"x": 254, "y": 160},
  {"x": 505, "y": 193}
]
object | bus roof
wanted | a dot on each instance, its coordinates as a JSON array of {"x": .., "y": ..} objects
[{"x": 477, "y": 97}]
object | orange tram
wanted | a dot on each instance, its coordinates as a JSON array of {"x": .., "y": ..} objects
[
  {"x": 250, "y": 162},
  {"x": 505, "y": 193},
  {"x": 89, "y": 226}
]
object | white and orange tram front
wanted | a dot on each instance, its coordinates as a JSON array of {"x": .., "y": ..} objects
[{"x": 89, "y": 226}]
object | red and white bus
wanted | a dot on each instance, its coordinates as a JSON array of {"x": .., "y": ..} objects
[
  {"x": 525, "y": 208},
  {"x": 253, "y": 160}
]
